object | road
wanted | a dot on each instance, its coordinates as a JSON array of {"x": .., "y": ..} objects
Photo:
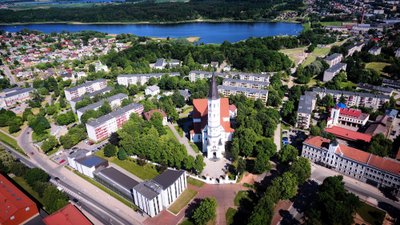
[
  {"x": 86, "y": 192},
  {"x": 11, "y": 77},
  {"x": 277, "y": 137}
]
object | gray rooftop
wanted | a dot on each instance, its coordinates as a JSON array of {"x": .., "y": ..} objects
[
  {"x": 336, "y": 68},
  {"x": 78, "y": 153},
  {"x": 245, "y": 81},
  {"x": 91, "y": 95},
  {"x": 153, "y": 88},
  {"x": 213, "y": 91},
  {"x": 375, "y": 48},
  {"x": 86, "y": 84},
  {"x": 350, "y": 93},
  {"x": 118, "y": 177},
  {"x": 18, "y": 91},
  {"x": 99, "y": 121},
  {"x": 157, "y": 75},
  {"x": 91, "y": 161},
  {"x": 168, "y": 177},
  {"x": 305, "y": 103},
  {"x": 148, "y": 189},
  {"x": 375, "y": 88},
  {"x": 333, "y": 56},
  {"x": 98, "y": 104},
  {"x": 242, "y": 89}
]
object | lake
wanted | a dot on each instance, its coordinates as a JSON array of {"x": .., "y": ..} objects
[{"x": 207, "y": 31}]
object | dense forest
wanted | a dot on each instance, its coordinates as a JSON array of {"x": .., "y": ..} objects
[{"x": 153, "y": 12}]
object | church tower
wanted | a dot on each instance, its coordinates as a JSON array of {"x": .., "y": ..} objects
[{"x": 215, "y": 140}]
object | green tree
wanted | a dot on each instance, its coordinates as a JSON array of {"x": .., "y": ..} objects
[
  {"x": 122, "y": 154},
  {"x": 110, "y": 150},
  {"x": 199, "y": 164},
  {"x": 18, "y": 169},
  {"x": 49, "y": 144},
  {"x": 53, "y": 199},
  {"x": 288, "y": 153},
  {"x": 315, "y": 131},
  {"x": 247, "y": 141},
  {"x": 261, "y": 163},
  {"x": 287, "y": 184},
  {"x": 301, "y": 168},
  {"x": 36, "y": 175},
  {"x": 205, "y": 211},
  {"x": 380, "y": 145}
]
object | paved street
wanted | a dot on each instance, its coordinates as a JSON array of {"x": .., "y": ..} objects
[
  {"x": 72, "y": 181},
  {"x": 182, "y": 140},
  {"x": 10, "y": 76},
  {"x": 277, "y": 137}
]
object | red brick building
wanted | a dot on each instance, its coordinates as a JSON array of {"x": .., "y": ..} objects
[{"x": 69, "y": 215}]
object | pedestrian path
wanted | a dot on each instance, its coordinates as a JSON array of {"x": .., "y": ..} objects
[{"x": 182, "y": 140}]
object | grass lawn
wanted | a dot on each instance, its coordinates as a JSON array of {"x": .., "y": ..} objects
[
  {"x": 21, "y": 182},
  {"x": 11, "y": 142},
  {"x": 332, "y": 23},
  {"x": 230, "y": 213},
  {"x": 318, "y": 52},
  {"x": 239, "y": 196},
  {"x": 144, "y": 172},
  {"x": 16, "y": 134},
  {"x": 195, "y": 182},
  {"x": 182, "y": 201},
  {"x": 377, "y": 66},
  {"x": 347, "y": 84},
  {"x": 187, "y": 222},
  {"x": 294, "y": 54},
  {"x": 108, "y": 191},
  {"x": 371, "y": 214}
]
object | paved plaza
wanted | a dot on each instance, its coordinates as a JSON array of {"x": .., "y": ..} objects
[{"x": 215, "y": 168}]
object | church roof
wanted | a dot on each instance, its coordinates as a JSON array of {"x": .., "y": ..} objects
[
  {"x": 213, "y": 92},
  {"x": 200, "y": 111}
]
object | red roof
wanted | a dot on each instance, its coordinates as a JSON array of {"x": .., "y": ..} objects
[
  {"x": 385, "y": 164},
  {"x": 200, "y": 111},
  {"x": 347, "y": 134},
  {"x": 149, "y": 114},
  {"x": 69, "y": 215},
  {"x": 14, "y": 203},
  {"x": 351, "y": 112}
]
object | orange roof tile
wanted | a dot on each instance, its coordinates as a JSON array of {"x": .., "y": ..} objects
[
  {"x": 200, "y": 111},
  {"x": 69, "y": 215},
  {"x": 385, "y": 164},
  {"x": 354, "y": 154},
  {"x": 348, "y": 134}
]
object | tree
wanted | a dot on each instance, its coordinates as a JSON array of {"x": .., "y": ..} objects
[
  {"x": 261, "y": 163},
  {"x": 199, "y": 164},
  {"x": 122, "y": 154},
  {"x": 241, "y": 165},
  {"x": 39, "y": 124},
  {"x": 288, "y": 154},
  {"x": 110, "y": 150},
  {"x": 13, "y": 128},
  {"x": 66, "y": 118},
  {"x": 205, "y": 211},
  {"x": 301, "y": 168},
  {"x": 178, "y": 99},
  {"x": 327, "y": 101},
  {"x": 266, "y": 146},
  {"x": 380, "y": 145},
  {"x": 53, "y": 199},
  {"x": 287, "y": 184},
  {"x": 114, "y": 139},
  {"x": 49, "y": 144},
  {"x": 36, "y": 175},
  {"x": 315, "y": 131},
  {"x": 18, "y": 169},
  {"x": 247, "y": 141}
]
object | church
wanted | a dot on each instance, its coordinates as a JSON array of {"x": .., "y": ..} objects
[{"x": 211, "y": 122}]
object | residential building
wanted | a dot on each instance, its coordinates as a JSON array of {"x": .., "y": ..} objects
[
  {"x": 382, "y": 125},
  {"x": 166, "y": 63},
  {"x": 75, "y": 155},
  {"x": 245, "y": 83},
  {"x": 375, "y": 50},
  {"x": 103, "y": 127},
  {"x": 15, "y": 206},
  {"x": 117, "y": 181},
  {"x": 348, "y": 117},
  {"x": 211, "y": 122},
  {"x": 185, "y": 94},
  {"x": 155, "y": 195},
  {"x": 364, "y": 166},
  {"x": 69, "y": 215},
  {"x": 373, "y": 88},
  {"x": 148, "y": 115},
  {"x": 391, "y": 83},
  {"x": 88, "y": 164},
  {"x": 98, "y": 67},
  {"x": 198, "y": 75},
  {"x": 114, "y": 101},
  {"x": 355, "y": 99},
  {"x": 304, "y": 111},
  {"x": 11, "y": 96},
  {"x": 140, "y": 79},
  {"x": 88, "y": 87},
  {"x": 331, "y": 72},
  {"x": 248, "y": 92},
  {"x": 355, "y": 48},
  {"x": 152, "y": 90},
  {"x": 333, "y": 59},
  {"x": 89, "y": 95},
  {"x": 263, "y": 77}
]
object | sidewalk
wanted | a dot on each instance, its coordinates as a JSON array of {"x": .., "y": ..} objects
[{"x": 182, "y": 140}]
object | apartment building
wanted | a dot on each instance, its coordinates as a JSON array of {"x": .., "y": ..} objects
[
  {"x": 304, "y": 111},
  {"x": 375, "y": 50},
  {"x": 364, "y": 166},
  {"x": 11, "y": 96},
  {"x": 155, "y": 195},
  {"x": 333, "y": 59},
  {"x": 348, "y": 117},
  {"x": 140, "y": 79},
  {"x": 373, "y": 88},
  {"x": 166, "y": 63},
  {"x": 114, "y": 101},
  {"x": 355, "y": 48},
  {"x": 334, "y": 70},
  {"x": 104, "y": 126},
  {"x": 198, "y": 75},
  {"x": 391, "y": 83},
  {"x": 85, "y": 88},
  {"x": 356, "y": 99},
  {"x": 248, "y": 92},
  {"x": 245, "y": 83}
]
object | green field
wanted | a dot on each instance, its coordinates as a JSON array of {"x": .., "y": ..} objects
[
  {"x": 318, "y": 52},
  {"x": 377, "y": 66},
  {"x": 187, "y": 222},
  {"x": 11, "y": 142},
  {"x": 294, "y": 54},
  {"x": 332, "y": 23},
  {"x": 182, "y": 201},
  {"x": 347, "y": 84},
  {"x": 230, "y": 213},
  {"x": 370, "y": 214},
  {"x": 195, "y": 182}
]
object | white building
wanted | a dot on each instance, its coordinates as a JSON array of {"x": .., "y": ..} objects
[
  {"x": 114, "y": 101},
  {"x": 155, "y": 195},
  {"x": 211, "y": 122},
  {"x": 331, "y": 72},
  {"x": 89, "y": 95},
  {"x": 75, "y": 155},
  {"x": 140, "y": 79},
  {"x": 87, "y": 165},
  {"x": 166, "y": 63},
  {"x": 375, "y": 50},
  {"x": 333, "y": 59},
  {"x": 355, "y": 48},
  {"x": 88, "y": 87},
  {"x": 304, "y": 111},
  {"x": 245, "y": 83},
  {"x": 98, "y": 66},
  {"x": 104, "y": 126},
  {"x": 152, "y": 90},
  {"x": 348, "y": 117},
  {"x": 251, "y": 93},
  {"x": 353, "y": 162},
  {"x": 198, "y": 75},
  {"x": 11, "y": 96}
]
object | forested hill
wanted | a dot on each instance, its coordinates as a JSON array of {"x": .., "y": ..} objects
[{"x": 153, "y": 12}]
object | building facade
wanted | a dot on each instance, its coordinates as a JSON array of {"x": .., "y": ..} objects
[
  {"x": 88, "y": 87},
  {"x": 152, "y": 90},
  {"x": 11, "y": 96},
  {"x": 348, "y": 117},
  {"x": 333, "y": 59},
  {"x": 102, "y": 127},
  {"x": 245, "y": 83},
  {"x": 251, "y": 93},
  {"x": 198, "y": 75},
  {"x": 140, "y": 79},
  {"x": 304, "y": 111},
  {"x": 364, "y": 166},
  {"x": 103, "y": 91},
  {"x": 334, "y": 70}
]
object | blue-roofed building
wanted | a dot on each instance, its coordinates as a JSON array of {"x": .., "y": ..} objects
[
  {"x": 392, "y": 113},
  {"x": 87, "y": 165},
  {"x": 341, "y": 105}
]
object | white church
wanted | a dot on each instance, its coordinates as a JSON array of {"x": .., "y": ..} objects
[{"x": 211, "y": 122}]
